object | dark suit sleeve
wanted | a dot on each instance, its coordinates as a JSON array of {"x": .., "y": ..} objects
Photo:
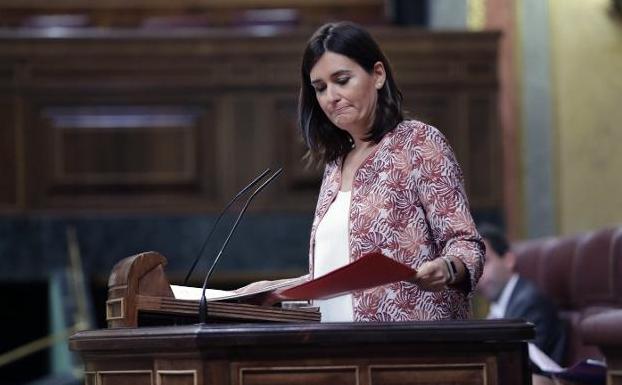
[
  {"x": 529, "y": 304},
  {"x": 537, "y": 312}
]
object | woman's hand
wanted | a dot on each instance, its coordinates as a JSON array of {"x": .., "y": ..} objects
[{"x": 432, "y": 275}]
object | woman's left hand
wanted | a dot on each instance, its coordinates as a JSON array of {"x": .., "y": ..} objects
[{"x": 432, "y": 275}]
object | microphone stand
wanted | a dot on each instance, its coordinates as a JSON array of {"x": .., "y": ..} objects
[
  {"x": 203, "y": 300},
  {"x": 222, "y": 212}
]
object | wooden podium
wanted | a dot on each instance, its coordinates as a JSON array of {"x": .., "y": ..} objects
[
  {"x": 414, "y": 353},
  {"x": 139, "y": 294},
  {"x": 487, "y": 352}
]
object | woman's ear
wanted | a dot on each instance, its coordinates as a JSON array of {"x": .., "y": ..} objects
[{"x": 379, "y": 75}]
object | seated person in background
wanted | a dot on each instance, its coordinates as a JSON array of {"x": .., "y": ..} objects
[{"x": 511, "y": 296}]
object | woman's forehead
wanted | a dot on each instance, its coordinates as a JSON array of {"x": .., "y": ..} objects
[{"x": 330, "y": 63}]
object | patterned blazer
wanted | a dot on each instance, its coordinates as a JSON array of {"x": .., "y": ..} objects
[{"x": 408, "y": 202}]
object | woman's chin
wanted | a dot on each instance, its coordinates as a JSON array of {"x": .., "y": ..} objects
[{"x": 344, "y": 122}]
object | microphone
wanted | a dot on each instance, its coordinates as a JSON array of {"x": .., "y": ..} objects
[
  {"x": 203, "y": 300},
  {"x": 222, "y": 212}
]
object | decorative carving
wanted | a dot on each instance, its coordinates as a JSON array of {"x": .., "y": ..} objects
[
  {"x": 299, "y": 375},
  {"x": 429, "y": 374},
  {"x": 134, "y": 377},
  {"x": 176, "y": 377}
]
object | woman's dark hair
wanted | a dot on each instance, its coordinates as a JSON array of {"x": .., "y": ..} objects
[
  {"x": 326, "y": 141},
  {"x": 495, "y": 238}
]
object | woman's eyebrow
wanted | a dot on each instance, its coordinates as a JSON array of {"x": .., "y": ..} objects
[
  {"x": 339, "y": 73},
  {"x": 333, "y": 75}
]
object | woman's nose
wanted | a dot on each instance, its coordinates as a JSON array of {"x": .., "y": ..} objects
[{"x": 333, "y": 93}]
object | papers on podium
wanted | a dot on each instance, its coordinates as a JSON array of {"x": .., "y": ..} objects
[
  {"x": 371, "y": 270},
  {"x": 250, "y": 290},
  {"x": 586, "y": 372}
]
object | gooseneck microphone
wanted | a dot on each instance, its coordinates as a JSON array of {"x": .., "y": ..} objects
[
  {"x": 203, "y": 300},
  {"x": 222, "y": 212}
]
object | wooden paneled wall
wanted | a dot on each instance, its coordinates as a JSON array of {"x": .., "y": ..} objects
[
  {"x": 184, "y": 13},
  {"x": 178, "y": 120}
]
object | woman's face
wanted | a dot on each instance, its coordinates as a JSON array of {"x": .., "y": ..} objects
[{"x": 346, "y": 92}]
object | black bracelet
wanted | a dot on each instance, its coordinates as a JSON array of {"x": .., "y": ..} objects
[{"x": 451, "y": 269}]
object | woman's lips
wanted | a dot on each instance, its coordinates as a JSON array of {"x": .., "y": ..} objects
[{"x": 340, "y": 110}]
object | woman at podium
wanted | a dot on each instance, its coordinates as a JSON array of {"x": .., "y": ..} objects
[{"x": 390, "y": 185}]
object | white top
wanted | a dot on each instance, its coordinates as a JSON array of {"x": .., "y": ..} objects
[
  {"x": 331, "y": 252},
  {"x": 498, "y": 308}
]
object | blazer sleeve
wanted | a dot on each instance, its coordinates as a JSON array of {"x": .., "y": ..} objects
[{"x": 441, "y": 190}]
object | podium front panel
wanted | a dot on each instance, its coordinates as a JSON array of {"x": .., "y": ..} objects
[{"x": 491, "y": 352}]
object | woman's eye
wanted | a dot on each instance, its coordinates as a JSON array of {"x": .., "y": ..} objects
[
  {"x": 319, "y": 89},
  {"x": 342, "y": 81}
]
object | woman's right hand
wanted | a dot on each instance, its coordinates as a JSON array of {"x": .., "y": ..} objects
[{"x": 432, "y": 275}]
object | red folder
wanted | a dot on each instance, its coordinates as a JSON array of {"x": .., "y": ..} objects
[{"x": 371, "y": 270}]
